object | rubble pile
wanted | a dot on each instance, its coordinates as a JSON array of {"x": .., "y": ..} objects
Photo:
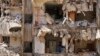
[
  {"x": 5, "y": 52},
  {"x": 83, "y": 54},
  {"x": 8, "y": 25}
]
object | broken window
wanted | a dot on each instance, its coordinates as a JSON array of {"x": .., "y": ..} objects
[
  {"x": 28, "y": 18},
  {"x": 6, "y": 39},
  {"x": 54, "y": 10},
  {"x": 53, "y": 44},
  {"x": 27, "y": 47},
  {"x": 81, "y": 46}
]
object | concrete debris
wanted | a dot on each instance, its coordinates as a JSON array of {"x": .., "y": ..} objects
[
  {"x": 88, "y": 34},
  {"x": 85, "y": 23},
  {"x": 7, "y": 25},
  {"x": 82, "y": 23},
  {"x": 83, "y": 54},
  {"x": 84, "y": 35},
  {"x": 42, "y": 32},
  {"x": 70, "y": 7},
  {"x": 5, "y": 52},
  {"x": 14, "y": 49},
  {"x": 49, "y": 19},
  {"x": 60, "y": 31},
  {"x": 88, "y": 54}
]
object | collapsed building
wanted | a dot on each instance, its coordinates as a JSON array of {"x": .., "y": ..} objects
[
  {"x": 51, "y": 27},
  {"x": 66, "y": 28}
]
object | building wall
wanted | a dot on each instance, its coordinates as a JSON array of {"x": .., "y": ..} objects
[
  {"x": 40, "y": 3},
  {"x": 39, "y": 47},
  {"x": 28, "y": 32},
  {"x": 38, "y": 9},
  {"x": 28, "y": 7},
  {"x": 98, "y": 46}
]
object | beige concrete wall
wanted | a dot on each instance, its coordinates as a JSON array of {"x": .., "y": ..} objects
[
  {"x": 0, "y": 38},
  {"x": 16, "y": 10},
  {"x": 40, "y": 3},
  {"x": 28, "y": 7},
  {"x": 28, "y": 32},
  {"x": 39, "y": 47}
]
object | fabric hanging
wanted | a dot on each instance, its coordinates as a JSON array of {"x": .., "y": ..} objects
[
  {"x": 98, "y": 34},
  {"x": 64, "y": 41}
]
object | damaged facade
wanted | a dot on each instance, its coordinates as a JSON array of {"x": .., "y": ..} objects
[
  {"x": 10, "y": 27},
  {"x": 66, "y": 27},
  {"x": 50, "y": 27}
]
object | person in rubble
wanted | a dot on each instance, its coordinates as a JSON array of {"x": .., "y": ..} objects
[{"x": 69, "y": 10}]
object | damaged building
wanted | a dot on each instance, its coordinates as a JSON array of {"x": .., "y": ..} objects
[
  {"x": 50, "y": 27},
  {"x": 66, "y": 28}
]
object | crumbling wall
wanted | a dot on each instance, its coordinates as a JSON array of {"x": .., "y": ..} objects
[
  {"x": 39, "y": 47},
  {"x": 15, "y": 44},
  {"x": 4, "y": 51},
  {"x": 84, "y": 33}
]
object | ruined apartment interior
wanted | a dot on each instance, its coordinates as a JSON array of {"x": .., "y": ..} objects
[{"x": 49, "y": 27}]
